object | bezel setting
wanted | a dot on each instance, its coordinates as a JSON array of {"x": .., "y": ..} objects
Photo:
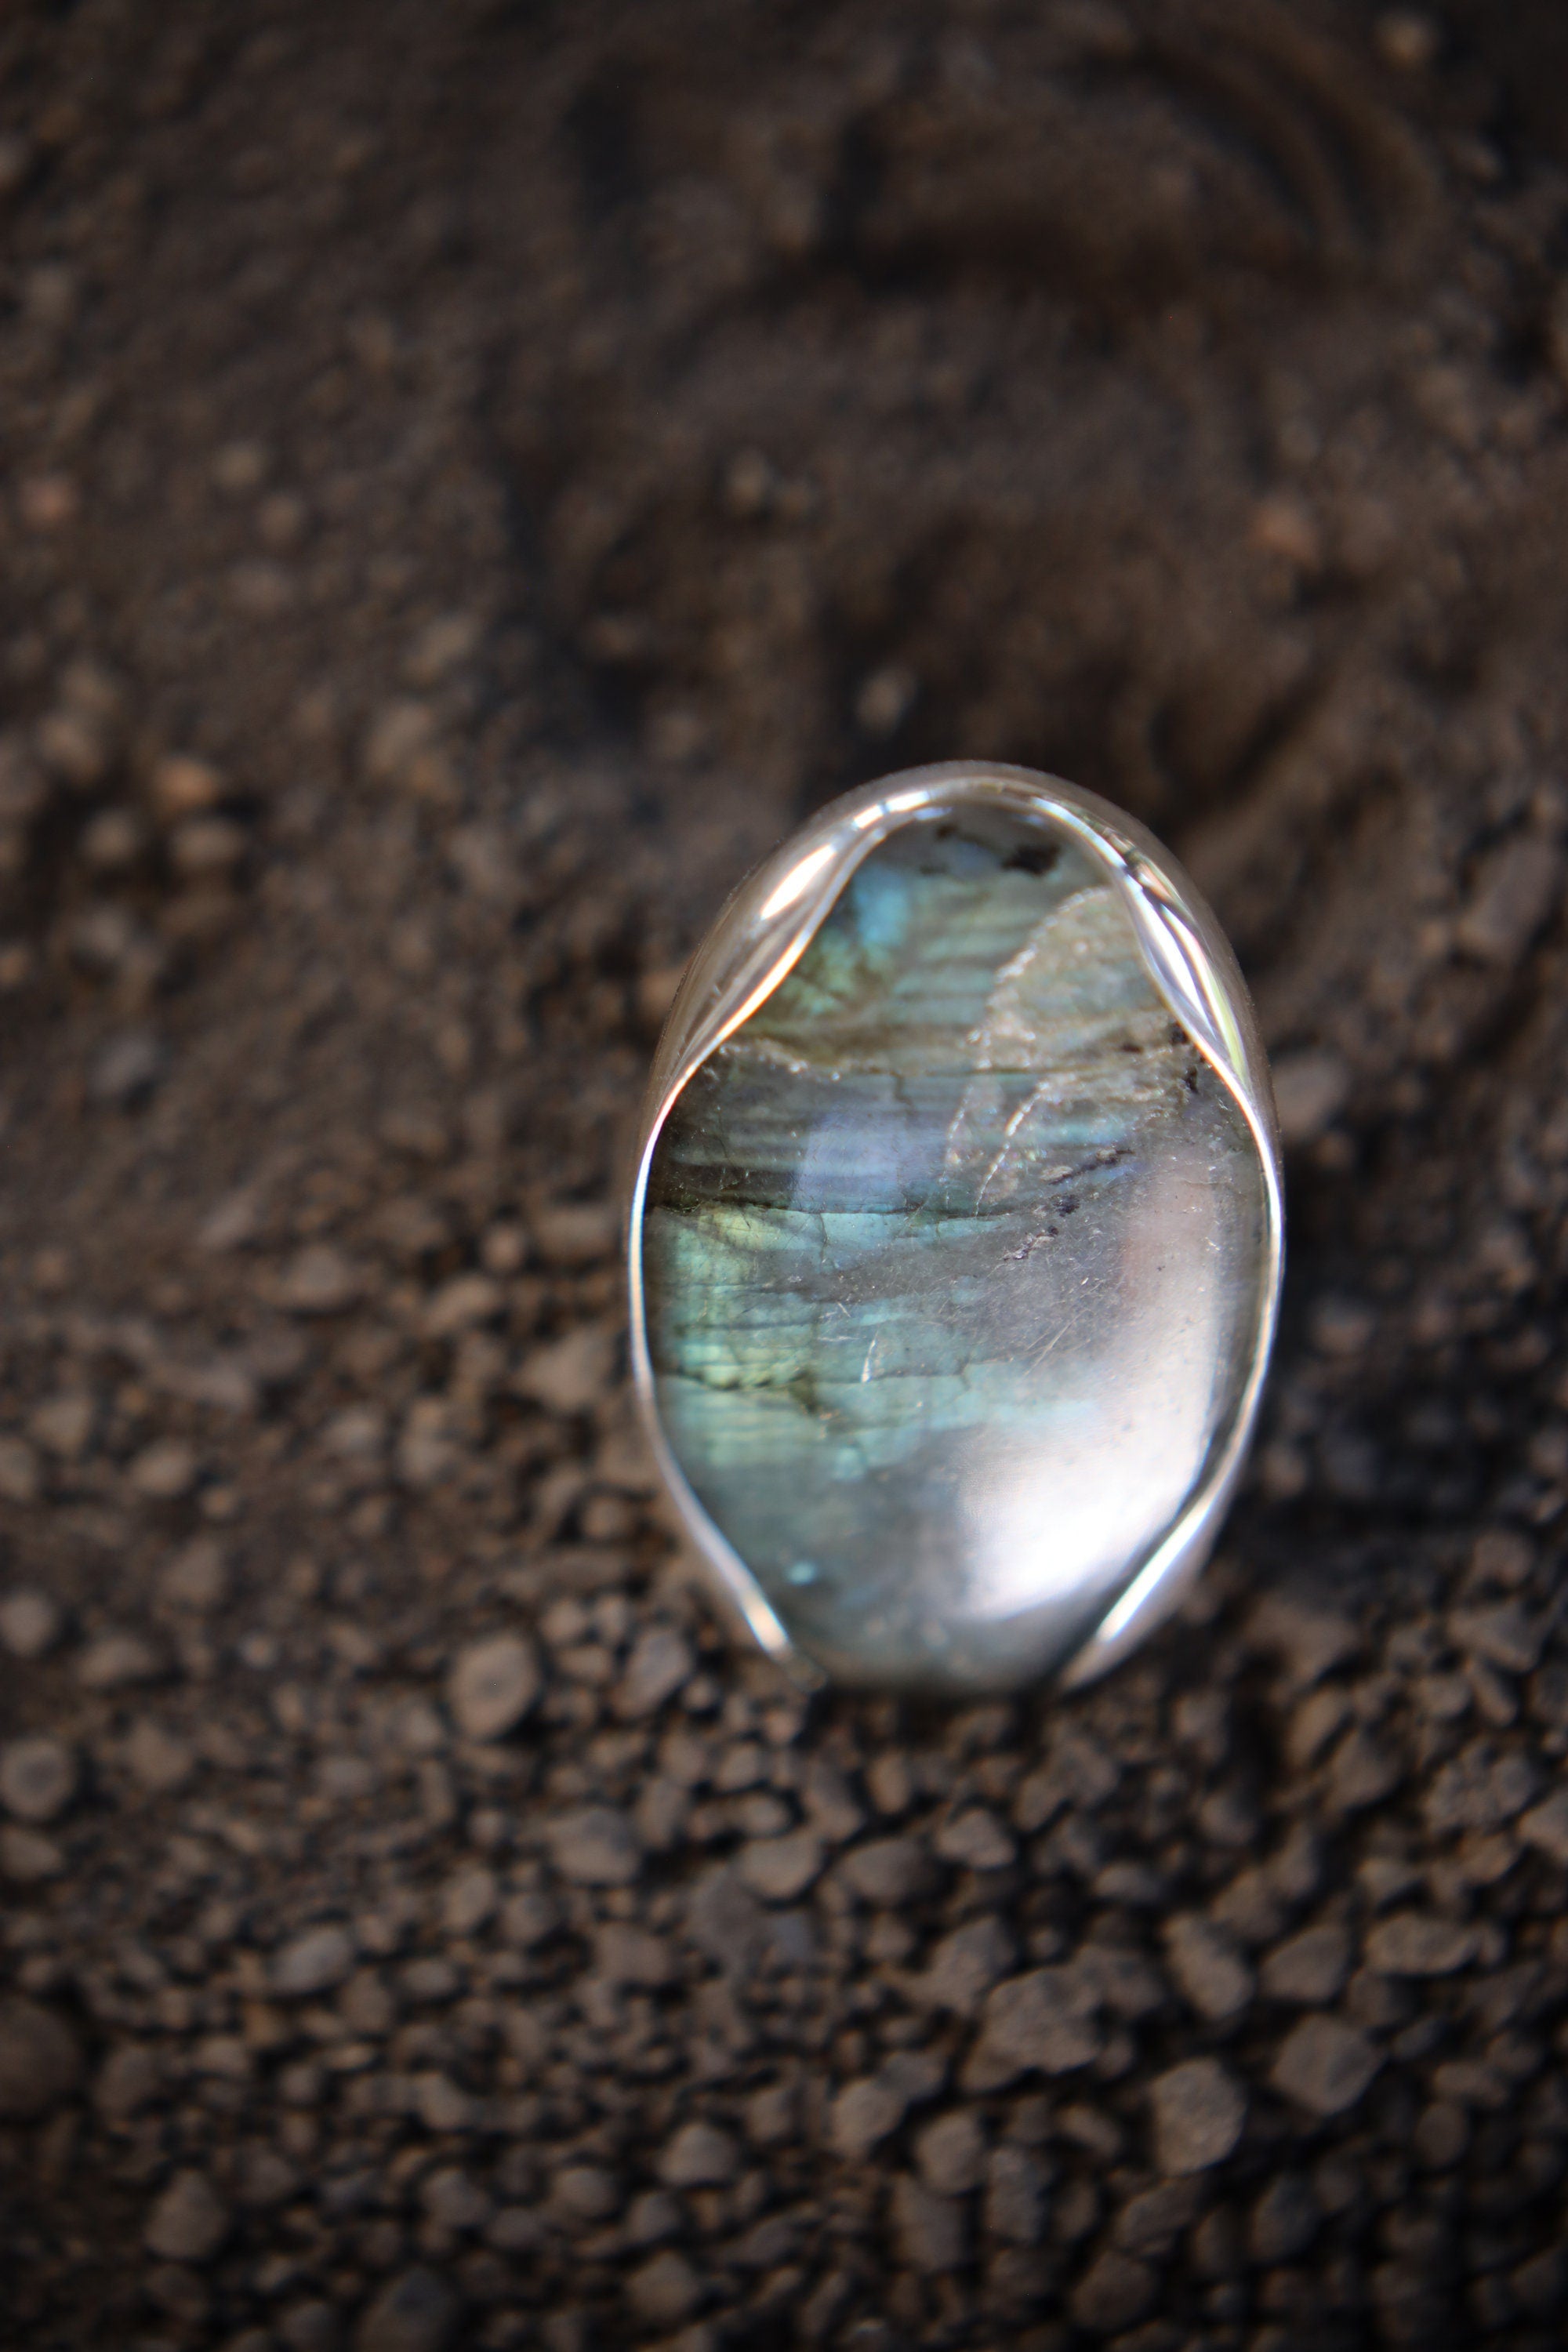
[{"x": 757, "y": 940}]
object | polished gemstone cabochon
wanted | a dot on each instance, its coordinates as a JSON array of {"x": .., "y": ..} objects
[{"x": 955, "y": 1258}]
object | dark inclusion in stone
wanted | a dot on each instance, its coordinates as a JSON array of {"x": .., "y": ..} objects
[{"x": 953, "y": 1258}]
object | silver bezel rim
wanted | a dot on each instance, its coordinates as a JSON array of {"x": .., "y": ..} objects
[{"x": 758, "y": 938}]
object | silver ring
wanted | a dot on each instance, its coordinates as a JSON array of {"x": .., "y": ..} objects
[{"x": 956, "y": 1236}]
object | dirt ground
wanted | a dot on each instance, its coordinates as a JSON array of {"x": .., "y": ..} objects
[{"x": 471, "y": 476}]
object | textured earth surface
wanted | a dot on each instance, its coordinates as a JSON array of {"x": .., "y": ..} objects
[{"x": 473, "y": 476}]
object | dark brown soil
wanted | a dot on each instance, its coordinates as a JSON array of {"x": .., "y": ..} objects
[{"x": 473, "y": 476}]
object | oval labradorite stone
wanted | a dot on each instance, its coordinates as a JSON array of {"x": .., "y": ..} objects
[{"x": 953, "y": 1259}]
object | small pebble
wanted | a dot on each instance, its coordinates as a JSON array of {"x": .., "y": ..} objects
[
  {"x": 1016, "y": 2196},
  {"x": 595, "y": 1846},
  {"x": 1408, "y": 38},
  {"x": 589, "y": 2192},
  {"x": 1210, "y": 1973},
  {"x": 976, "y": 1840},
  {"x": 665, "y": 2290},
  {"x": 29, "y": 1857},
  {"x": 158, "y": 1761},
  {"x": 40, "y": 2060},
  {"x": 950, "y": 2154},
  {"x": 1046, "y": 2022},
  {"x": 572, "y": 1234},
  {"x": 1502, "y": 1635},
  {"x": 965, "y": 1964},
  {"x": 1149, "y": 2224},
  {"x": 1199, "y": 2109},
  {"x": 1546, "y": 1826},
  {"x": 1311, "y": 1090},
  {"x": 63, "y": 1425},
  {"x": 701, "y": 2156},
  {"x": 31, "y": 1624},
  {"x": 863, "y": 2115},
  {"x": 455, "y": 2198},
  {"x": 1308, "y": 1640},
  {"x": 1325, "y": 2065},
  {"x": 659, "y": 1664},
  {"x": 21, "y": 1477},
  {"x": 781, "y": 1868},
  {"x": 1115, "y": 2291},
  {"x": 931, "y": 2231},
  {"x": 189, "y": 2222},
  {"x": 888, "y": 1871},
  {"x": 196, "y": 1577},
  {"x": 462, "y": 1304},
  {"x": 569, "y": 1375},
  {"x": 38, "y": 1778},
  {"x": 116, "y": 1661},
  {"x": 1309, "y": 1968},
  {"x": 125, "y": 1072},
  {"x": 182, "y": 787},
  {"x": 165, "y": 1471},
  {"x": 492, "y": 1686},
  {"x": 416, "y": 2312},
  {"x": 314, "y": 1962},
  {"x": 320, "y": 1281},
  {"x": 1284, "y": 2221},
  {"x": 309, "y": 2326},
  {"x": 1415, "y": 1943}
]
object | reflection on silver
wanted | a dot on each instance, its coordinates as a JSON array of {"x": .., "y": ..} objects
[{"x": 1128, "y": 1580}]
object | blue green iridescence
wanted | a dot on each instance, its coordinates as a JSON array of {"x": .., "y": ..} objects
[{"x": 953, "y": 1259}]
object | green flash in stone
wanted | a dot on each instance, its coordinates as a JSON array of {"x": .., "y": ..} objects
[{"x": 953, "y": 1253}]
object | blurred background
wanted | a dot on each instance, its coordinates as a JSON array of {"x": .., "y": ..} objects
[{"x": 473, "y": 476}]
